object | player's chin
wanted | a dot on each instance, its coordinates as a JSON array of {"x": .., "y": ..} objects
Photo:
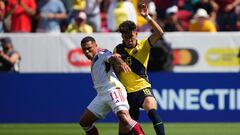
[{"x": 89, "y": 57}]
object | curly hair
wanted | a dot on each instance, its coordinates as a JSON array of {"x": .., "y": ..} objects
[{"x": 127, "y": 27}]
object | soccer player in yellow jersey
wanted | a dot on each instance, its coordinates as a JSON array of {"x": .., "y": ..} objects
[{"x": 136, "y": 54}]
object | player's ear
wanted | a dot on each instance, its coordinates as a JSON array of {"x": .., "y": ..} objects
[{"x": 95, "y": 43}]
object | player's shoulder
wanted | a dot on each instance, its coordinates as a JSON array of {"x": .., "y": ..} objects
[
  {"x": 119, "y": 48},
  {"x": 145, "y": 43},
  {"x": 104, "y": 52},
  {"x": 142, "y": 41}
]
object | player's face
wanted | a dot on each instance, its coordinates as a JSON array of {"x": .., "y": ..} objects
[
  {"x": 130, "y": 39},
  {"x": 6, "y": 47},
  {"x": 90, "y": 49}
]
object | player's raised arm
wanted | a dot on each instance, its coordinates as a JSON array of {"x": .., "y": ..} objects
[{"x": 158, "y": 32}]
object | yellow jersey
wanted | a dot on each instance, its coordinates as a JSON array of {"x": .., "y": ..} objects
[
  {"x": 137, "y": 59},
  {"x": 207, "y": 26},
  {"x": 74, "y": 28}
]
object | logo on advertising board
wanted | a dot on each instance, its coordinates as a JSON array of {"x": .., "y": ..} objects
[
  {"x": 77, "y": 58},
  {"x": 222, "y": 57},
  {"x": 185, "y": 56}
]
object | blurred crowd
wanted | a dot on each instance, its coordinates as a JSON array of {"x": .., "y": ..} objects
[{"x": 76, "y": 16}]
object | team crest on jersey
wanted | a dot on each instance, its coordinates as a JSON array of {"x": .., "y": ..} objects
[{"x": 135, "y": 51}]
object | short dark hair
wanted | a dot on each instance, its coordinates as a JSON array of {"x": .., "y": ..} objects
[
  {"x": 127, "y": 26},
  {"x": 87, "y": 39},
  {"x": 5, "y": 41}
]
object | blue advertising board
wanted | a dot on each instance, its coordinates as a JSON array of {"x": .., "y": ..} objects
[
  {"x": 198, "y": 97},
  {"x": 62, "y": 97}
]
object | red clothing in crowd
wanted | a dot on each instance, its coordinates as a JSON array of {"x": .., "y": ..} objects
[
  {"x": 163, "y": 4},
  {"x": 20, "y": 20},
  {"x": 222, "y": 4}
]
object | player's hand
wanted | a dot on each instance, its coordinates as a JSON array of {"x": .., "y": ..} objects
[
  {"x": 125, "y": 68},
  {"x": 143, "y": 9},
  {"x": 118, "y": 64}
]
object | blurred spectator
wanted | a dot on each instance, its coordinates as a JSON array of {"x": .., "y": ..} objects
[
  {"x": 184, "y": 18},
  {"x": 119, "y": 11},
  {"x": 104, "y": 9},
  {"x": 185, "y": 12},
  {"x": 68, "y": 5},
  {"x": 2, "y": 14},
  {"x": 172, "y": 23},
  {"x": 238, "y": 17},
  {"x": 201, "y": 22},
  {"x": 162, "y": 5},
  {"x": 21, "y": 12},
  {"x": 186, "y": 4},
  {"x": 77, "y": 6},
  {"x": 92, "y": 10},
  {"x": 79, "y": 24},
  {"x": 209, "y": 5},
  {"x": 226, "y": 16},
  {"x": 104, "y": 5},
  {"x": 9, "y": 58},
  {"x": 51, "y": 13}
]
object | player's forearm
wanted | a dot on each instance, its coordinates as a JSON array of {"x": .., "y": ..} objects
[
  {"x": 115, "y": 59},
  {"x": 158, "y": 31},
  {"x": 155, "y": 26},
  {"x": 118, "y": 64}
]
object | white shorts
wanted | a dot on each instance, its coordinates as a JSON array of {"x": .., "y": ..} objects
[{"x": 114, "y": 100}]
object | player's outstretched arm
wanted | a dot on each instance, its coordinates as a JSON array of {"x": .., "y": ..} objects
[
  {"x": 118, "y": 64},
  {"x": 158, "y": 32}
]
